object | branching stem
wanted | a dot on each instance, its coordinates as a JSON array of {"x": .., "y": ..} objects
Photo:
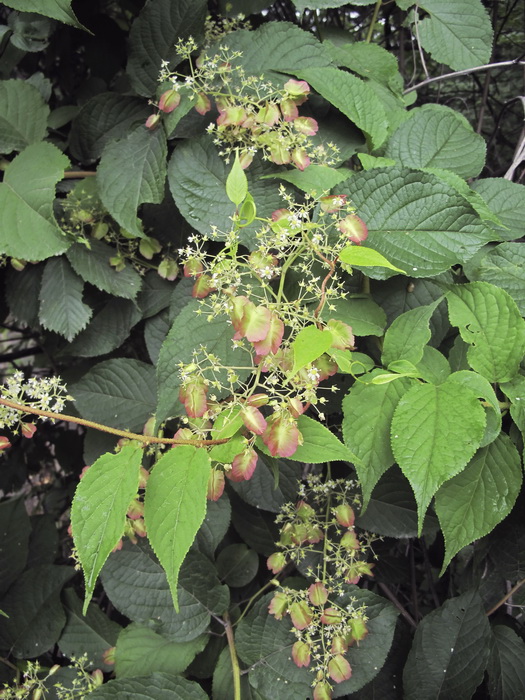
[
  {"x": 467, "y": 71},
  {"x": 506, "y": 597}
]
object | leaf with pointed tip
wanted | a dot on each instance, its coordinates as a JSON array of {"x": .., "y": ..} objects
[
  {"x": 408, "y": 335},
  {"x": 449, "y": 651},
  {"x": 308, "y": 345},
  {"x": 56, "y": 9},
  {"x": 28, "y": 229},
  {"x": 507, "y": 200},
  {"x": 98, "y": 512},
  {"x": 490, "y": 322},
  {"x": 436, "y": 429},
  {"x": 175, "y": 506},
  {"x": 157, "y": 686},
  {"x": 483, "y": 390},
  {"x": 18, "y": 99},
  {"x": 506, "y": 665},
  {"x": 61, "y": 307},
  {"x": 315, "y": 179},
  {"x": 236, "y": 183},
  {"x": 504, "y": 266},
  {"x": 366, "y": 257}
]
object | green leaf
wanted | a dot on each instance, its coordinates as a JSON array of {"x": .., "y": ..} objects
[
  {"x": 35, "y": 616},
  {"x": 155, "y": 331},
  {"x": 315, "y": 179},
  {"x": 490, "y": 322},
  {"x": 141, "y": 651},
  {"x": 18, "y": 99},
  {"x": 222, "y": 673},
  {"x": 417, "y": 221},
  {"x": 392, "y": 510},
  {"x": 408, "y": 335},
  {"x": 367, "y": 416},
  {"x": 107, "y": 331},
  {"x": 369, "y": 162},
  {"x": 157, "y": 686},
  {"x": 360, "y": 312},
  {"x": 449, "y": 651},
  {"x": 137, "y": 586},
  {"x": 353, "y": 97},
  {"x": 197, "y": 179},
  {"x": 236, "y": 183},
  {"x": 507, "y": 200},
  {"x": 92, "y": 264},
  {"x": 61, "y": 307},
  {"x": 98, "y": 512},
  {"x": 131, "y": 172},
  {"x": 104, "y": 118},
  {"x": 365, "y": 257},
  {"x": 91, "y": 635},
  {"x": 506, "y": 664},
  {"x": 214, "y": 526},
  {"x": 56, "y": 9},
  {"x": 28, "y": 229},
  {"x": 175, "y": 507},
  {"x": 504, "y": 266},
  {"x": 436, "y": 136},
  {"x": 261, "y": 491},
  {"x": 458, "y": 33},
  {"x": 119, "y": 393},
  {"x": 308, "y": 345},
  {"x": 189, "y": 331},
  {"x": 515, "y": 391},
  {"x": 483, "y": 390},
  {"x": 237, "y": 565},
  {"x": 14, "y": 541},
  {"x": 471, "y": 504},
  {"x": 433, "y": 366},
  {"x": 369, "y": 61},
  {"x": 435, "y": 432},
  {"x": 154, "y": 36},
  {"x": 256, "y": 527},
  {"x": 22, "y": 293}
]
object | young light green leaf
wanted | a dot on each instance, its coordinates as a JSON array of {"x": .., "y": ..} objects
[
  {"x": 351, "y": 362},
  {"x": 18, "y": 100},
  {"x": 175, "y": 507},
  {"x": 315, "y": 179},
  {"x": 436, "y": 429},
  {"x": 367, "y": 415},
  {"x": 131, "y": 172},
  {"x": 61, "y": 307},
  {"x": 237, "y": 183},
  {"x": 309, "y": 344},
  {"x": 28, "y": 229},
  {"x": 472, "y": 503},
  {"x": 366, "y": 257},
  {"x": 449, "y": 651},
  {"x": 406, "y": 337},
  {"x": 490, "y": 322},
  {"x": 98, "y": 513}
]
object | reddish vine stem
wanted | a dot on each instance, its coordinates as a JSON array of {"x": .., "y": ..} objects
[
  {"x": 236, "y": 670},
  {"x": 78, "y": 174},
  {"x": 146, "y": 439},
  {"x": 506, "y": 597}
]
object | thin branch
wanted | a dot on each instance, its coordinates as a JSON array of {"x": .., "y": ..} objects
[
  {"x": 506, "y": 597},
  {"x": 78, "y": 174},
  {"x": 467, "y": 71},
  {"x": 146, "y": 439},
  {"x": 18, "y": 354},
  {"x": 408, "y": 617},
  {"x": 233, "y": 655}
]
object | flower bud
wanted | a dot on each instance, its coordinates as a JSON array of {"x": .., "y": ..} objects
[
  {"x": 193, "y": 267},
  {"x": 354, "y": 228},
  {"x": 203, "y": 104},
  {"x": 202, "y": 287},
  {"x": 322, "y": 691},
  {"x": 331, "y": 203},
  {"x": 301, "y": 614},
  {"x": 278, "y": 605},
  {"x": 331, "y": 616},
  {"x": 108, "y": 657},
  {"x": 306, "y": 126},
  {"x": 358, "y": 629},
  {"x": 99, "y": 230},
  {"x": 350, "y": 542},
  {"x": 18, "y": 265},
  {"x": 339, "y": 669},
  {"x": 300, "y": 158},
  {"x": 243, "y": 466},
  {"x": 169, "y": 101},
  {"x": 97, "y": 677},
  {"x": 276, "y": 562},
  {"x": 301, "y": 654},
  {"x": 215, "y": 485},
  {"x": 317, "y": 593},
  {"x": 339, "y": 645},
  {"x": 168, "y": 269},
  {"x": 28, "y": 430},
  {"x": 258, "y": 400},
  {"x": 297, "y": 88},
  {"x": 152, "y": 121},
  {"x": 253, "y": 419},
  {"x": 345, "y": 515},
  {"x": 148, "y": 247}
]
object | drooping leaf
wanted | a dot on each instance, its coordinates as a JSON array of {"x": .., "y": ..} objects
[
  {"x": 157, "y": 686},
  {"x": 18, "y": 100},
  {"x": 104, "y": 118},
  {"x": 131, "y": 172},
  {"x": 315, "y": 179},
  {"x": 417, "y": 221},
  {"x": 15, "y": 529},
  {"x": 471, "y": 504},
  {"x": 175, "y": 506},
  {"x": 35, "y": 616},
  {"x": 119, "y": 393},
  {"x": 108, "y": 330},
  {"x": 408, "y": 334},
  {"x": 433, "y": 366},
  {"x": 360, "y": 312},
  {"x": 449, "y": 651},
  {"x": 458, "y": 33},
  {"x": 92, "y": 634},
  {"x": 367, "y": 416},
  {"x": 236, "y": 183},
  {"x": 506, "y": 664},
  {"x": 154, "y": 36},
  {"x": 369, "y": 61},
  {"x": 507, "y": 200},
  {"x": 365, "y": 257},
  {"x": 61, "y": 307},
  {"x": 56, "y": 9},
  {"x": 436, "y": 136},
  {"x": 353, "y": 97},
  {"x": 435, "y": 432},
  {"x": 28, "y": 229},
  {"x": 94, "y": 267},
  {"x": 504, "y": 266},
  {"x": 98, "y": 513},
  {"x": 141, "y": 651},
  {"x": 308, "y": 345},
  {"x": 483, "y": 390},
  {"x": 490, "y": 322},
  {"x": 137, "y": 586}
]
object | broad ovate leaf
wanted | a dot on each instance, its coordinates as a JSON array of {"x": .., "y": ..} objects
[
  {"x": 308, "y": 345},
  {"x": 435, "y": 432},
  {"x": 18, "y": 99},
  {"x": 366, "y": 257},
  {"x": 98, "y": 513},
  {"x": 175, "y": 506},
  {"x": 236, "y": 183}
]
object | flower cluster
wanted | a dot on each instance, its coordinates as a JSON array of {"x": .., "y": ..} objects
[
  {"x": 326, "y": 619},
  {"x": 254, "y": 115},
  {"x": 45, "y": 394},
  {"x": 284, "y": 288}
]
